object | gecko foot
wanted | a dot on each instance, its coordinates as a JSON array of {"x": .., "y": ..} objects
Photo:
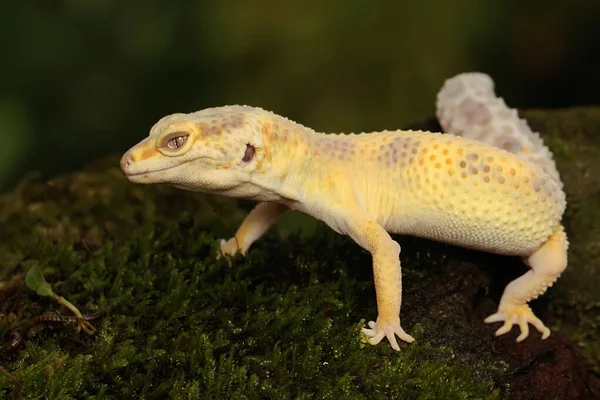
[
  {"x": 520, "y": 315},
  {"x": 228, "y": 247},
  {"x": 379, "y": 330}
]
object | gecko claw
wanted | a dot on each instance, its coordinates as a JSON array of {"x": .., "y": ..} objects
[
  {"x": 520, "y": 315},
  {"x": 389, "y": 330}
]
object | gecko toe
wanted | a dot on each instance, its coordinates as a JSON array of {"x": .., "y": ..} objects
[
  {"x": 524, "y": 329},
  {"x": 517, "y": 315},
  {"x": 378, "y": 331}
]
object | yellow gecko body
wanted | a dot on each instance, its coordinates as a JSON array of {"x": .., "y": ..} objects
[{"x": 437, "y": 186}]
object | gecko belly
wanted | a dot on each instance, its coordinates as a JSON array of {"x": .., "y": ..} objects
[{"x": 499, "y": 235}]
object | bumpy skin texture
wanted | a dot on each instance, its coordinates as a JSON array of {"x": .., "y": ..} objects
[{"x": 430, "y": 185}]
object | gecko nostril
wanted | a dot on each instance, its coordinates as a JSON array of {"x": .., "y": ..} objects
[{"x": 126, "y": 161}]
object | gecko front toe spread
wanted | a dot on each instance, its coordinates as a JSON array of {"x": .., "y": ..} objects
[
  {"x": 517, "y": 314},
  {"x": 488, "y": 184},
  {"x": 389, "y": 330}
]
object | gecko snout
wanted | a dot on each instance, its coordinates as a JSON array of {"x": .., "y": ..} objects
[{"x": 126, "y": 161}]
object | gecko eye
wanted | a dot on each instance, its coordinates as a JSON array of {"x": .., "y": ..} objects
[
  {"x": 176, "y": 142},
  {"x": 249, "y": 154}
]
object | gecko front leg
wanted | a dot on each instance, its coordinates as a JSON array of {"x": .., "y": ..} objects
[
  {"x": 260, "y": 219},
  {"x": 385, "y": 252}
]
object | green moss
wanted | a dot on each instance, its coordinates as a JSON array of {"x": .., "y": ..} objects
[{"x": 284, "y": 322}]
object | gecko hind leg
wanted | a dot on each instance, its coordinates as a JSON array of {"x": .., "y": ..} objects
[{"x": 546, "y": 263}]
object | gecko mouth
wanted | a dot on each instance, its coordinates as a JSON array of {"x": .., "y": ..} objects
[
  {"x": 145, "y": 176},
  {"x": 138, "y": 177},
  {"x": 149, "y": 172},
  {"x": 141, "y": 174}
]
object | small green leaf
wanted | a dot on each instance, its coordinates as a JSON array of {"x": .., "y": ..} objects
[
  {"x": 44, "y": 289},
  {"x": 36, "y": 282}
]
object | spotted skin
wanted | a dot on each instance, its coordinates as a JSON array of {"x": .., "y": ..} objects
[
  {"x": 430, "y": 185},
  {"x": 467, "y": 106}
]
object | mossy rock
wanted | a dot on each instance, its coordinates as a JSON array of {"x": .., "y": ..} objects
[{"x": 283, "y": 322}]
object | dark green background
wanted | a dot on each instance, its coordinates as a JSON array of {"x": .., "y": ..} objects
[{"x": 81, "y": 79}]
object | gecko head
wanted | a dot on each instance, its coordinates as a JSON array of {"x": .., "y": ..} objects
[{"x": 210, "y": 150}]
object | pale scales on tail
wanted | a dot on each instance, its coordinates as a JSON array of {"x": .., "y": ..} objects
[{"x": 442, "y": 187}]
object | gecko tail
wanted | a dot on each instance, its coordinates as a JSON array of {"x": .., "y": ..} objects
[{"x": 467, "y": 106}]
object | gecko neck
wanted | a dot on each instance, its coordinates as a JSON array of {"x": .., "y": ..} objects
[
  {"x": 299, "y": 156},
  {"x": 289, "y": 149}
]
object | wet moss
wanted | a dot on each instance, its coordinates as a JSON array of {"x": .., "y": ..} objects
[{"x": 282, "y": 323}]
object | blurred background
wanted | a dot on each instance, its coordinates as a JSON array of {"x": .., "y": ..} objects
[{"x": 83, "y": 79}]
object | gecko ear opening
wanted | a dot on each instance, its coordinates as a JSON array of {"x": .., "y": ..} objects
[{"x": 249, "y": 154}]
